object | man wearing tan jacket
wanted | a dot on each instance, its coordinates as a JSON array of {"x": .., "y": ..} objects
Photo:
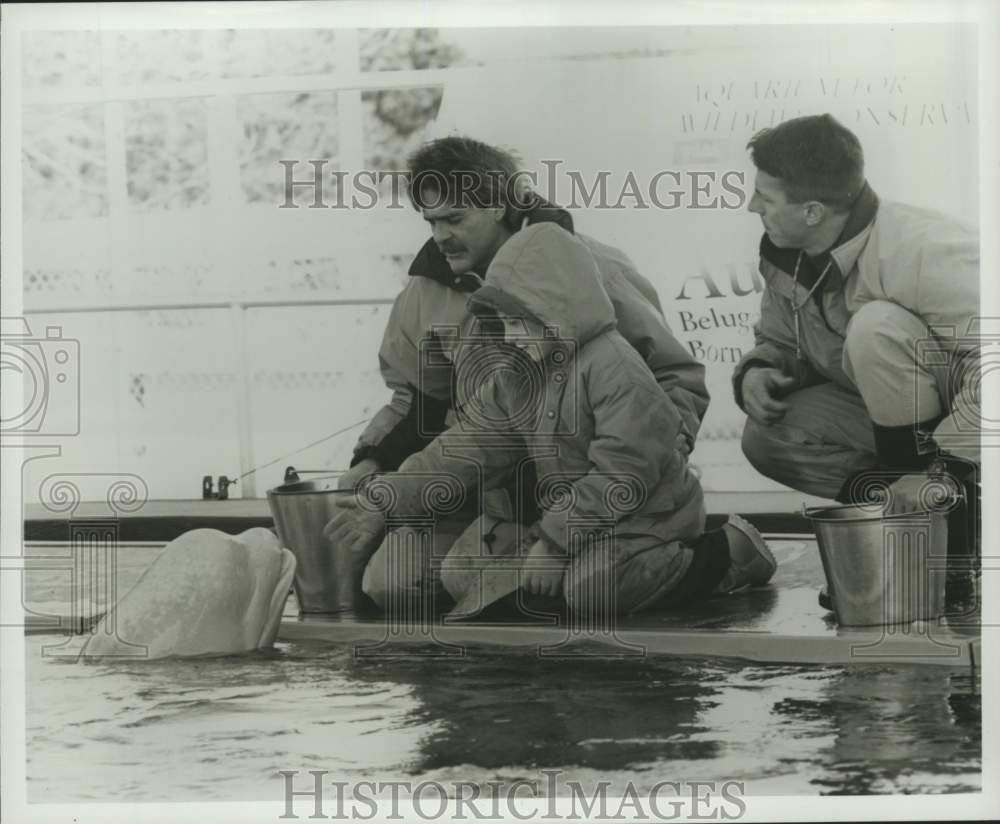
[
  {"x": 550, "y": 380},
  {"x": 866, "y": 364},
  {"x": 468, "y": 193}
]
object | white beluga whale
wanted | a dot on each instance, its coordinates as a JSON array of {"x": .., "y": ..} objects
[{"x": 207, "y": 593}]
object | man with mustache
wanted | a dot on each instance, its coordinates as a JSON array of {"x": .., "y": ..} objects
[
  {"x": 549, "y": 381},
  {"x": 866, "y": 364},
  {"x": 469, "y": 194}
]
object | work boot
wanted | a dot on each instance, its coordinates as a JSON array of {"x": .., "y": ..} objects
[
  {"x": 909, "y": 450},
  {"x": 751, "y": 562},
  {"x": 964, "y": 539}
]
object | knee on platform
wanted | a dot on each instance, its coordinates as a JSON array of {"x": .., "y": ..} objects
[
  {"x": 380, "y": 595},
  {"x": 373, "y": 582},
  {"x": 389, "y": 575},
  {"x": 454, "y": 578}
]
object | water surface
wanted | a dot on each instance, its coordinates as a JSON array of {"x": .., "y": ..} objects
[{"x": 219, "y": 729}]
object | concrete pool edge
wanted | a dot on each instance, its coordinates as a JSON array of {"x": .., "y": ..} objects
[
  {"x": 849, "y": 648},
  {"x": 778, "y": 624},
  {"x": 878, "y": 646}
]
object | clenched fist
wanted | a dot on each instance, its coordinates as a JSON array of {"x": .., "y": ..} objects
[{"x": 763, "y": 387}]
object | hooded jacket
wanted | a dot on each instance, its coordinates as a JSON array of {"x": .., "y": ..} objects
[
  {"x": 579, "y": 402},
  {"x": 414, "y": 367},
  {"x": 922, "y": 260}
]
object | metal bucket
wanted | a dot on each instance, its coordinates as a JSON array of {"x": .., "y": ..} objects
[
  {"x": 882, "y": 569},
  {"x": 327, "y": 579}
]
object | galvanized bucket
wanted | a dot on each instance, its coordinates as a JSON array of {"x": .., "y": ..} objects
[
  {"x": 327, "y": 578},
  {"x": 882, "y": 569}
]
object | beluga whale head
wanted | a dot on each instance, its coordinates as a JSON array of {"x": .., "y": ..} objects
[{"x": 207, "y": 593}]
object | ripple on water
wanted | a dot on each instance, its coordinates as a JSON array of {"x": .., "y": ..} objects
[{"x": 221, "y": 728}]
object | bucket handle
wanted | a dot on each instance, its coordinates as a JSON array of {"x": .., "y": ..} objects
[
  {"x": 810, "y": 511},
  {"x": 958, "y": 495},
  {"x": 292, "y": 474}
]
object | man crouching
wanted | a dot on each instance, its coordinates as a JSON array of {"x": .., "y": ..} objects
[{"x": 546, "y": 378}]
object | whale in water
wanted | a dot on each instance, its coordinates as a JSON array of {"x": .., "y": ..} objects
[{"x": 207, "y": 593}]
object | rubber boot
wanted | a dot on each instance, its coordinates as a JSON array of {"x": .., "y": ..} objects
[
  {"x": 900, "y": 450},
  {"x": 909, "y": 449},
  {"x": 710, "y": 564},
  {"x": 751, "y": 562},
  {"x": 964, "y": 539}
]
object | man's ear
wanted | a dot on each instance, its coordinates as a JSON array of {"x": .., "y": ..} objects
[
  {"x": 522, "y": 188},
  {"x": 815, "y": 212}
]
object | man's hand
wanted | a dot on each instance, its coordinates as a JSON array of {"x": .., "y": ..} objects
[
  {"x": 918, "y": 492},
  {"x": 762, "y": 388},
  {"x": 357, "y": 473},
  {"x": 358, "y": 528},
  {"x": 542, "y": 572}
]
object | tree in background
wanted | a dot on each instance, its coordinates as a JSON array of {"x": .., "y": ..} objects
[{"x": 396, "y": 120}]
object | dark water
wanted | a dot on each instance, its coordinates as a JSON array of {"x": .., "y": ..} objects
[{"x": 219, "y": 729}]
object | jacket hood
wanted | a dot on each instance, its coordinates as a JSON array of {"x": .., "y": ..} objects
[
  {"x": 431, "y": 263},
  {"x": 546, "y": 272}
]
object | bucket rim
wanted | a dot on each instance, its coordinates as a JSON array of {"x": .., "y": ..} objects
[
  {"x": 815, "y": 514},
  {"x": 288, "y": 489}
]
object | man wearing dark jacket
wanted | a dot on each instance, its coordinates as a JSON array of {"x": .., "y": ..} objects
[{"x": 469, "y": 194}]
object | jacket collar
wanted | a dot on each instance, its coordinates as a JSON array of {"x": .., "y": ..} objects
[
  {"x": 431, "y": 263},
  {"x": 844, "y": 252}
]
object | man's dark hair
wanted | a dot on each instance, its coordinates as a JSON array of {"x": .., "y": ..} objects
[
  {"x": 465, "y": 172},
  {"x": 815, "y": 158}
]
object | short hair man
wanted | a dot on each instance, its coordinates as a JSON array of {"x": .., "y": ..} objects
[
  {"x": 470, "y": 195},
  {"x": 864, "y": 364}
]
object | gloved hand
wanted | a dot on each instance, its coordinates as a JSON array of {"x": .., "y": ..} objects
[
  {"x": 357, "y": 474},
  {"x": 359, "y": 528}
]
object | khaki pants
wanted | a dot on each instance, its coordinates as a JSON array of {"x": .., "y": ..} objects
[
  {"x": 827, "y": 433},
  {"x": 415, "y": 565},
  {"x": 406, "y": 568},
  {"x": 614, "y": 574}
]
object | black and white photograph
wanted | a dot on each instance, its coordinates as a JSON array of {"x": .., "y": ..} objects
[{"x": 532, "y": 411}]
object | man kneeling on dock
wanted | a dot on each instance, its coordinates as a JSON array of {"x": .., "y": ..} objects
[
  {"x": 865, "y": 372},
  {"x": 474, "y": 199},
  {"x": 543, "y": 376}
]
